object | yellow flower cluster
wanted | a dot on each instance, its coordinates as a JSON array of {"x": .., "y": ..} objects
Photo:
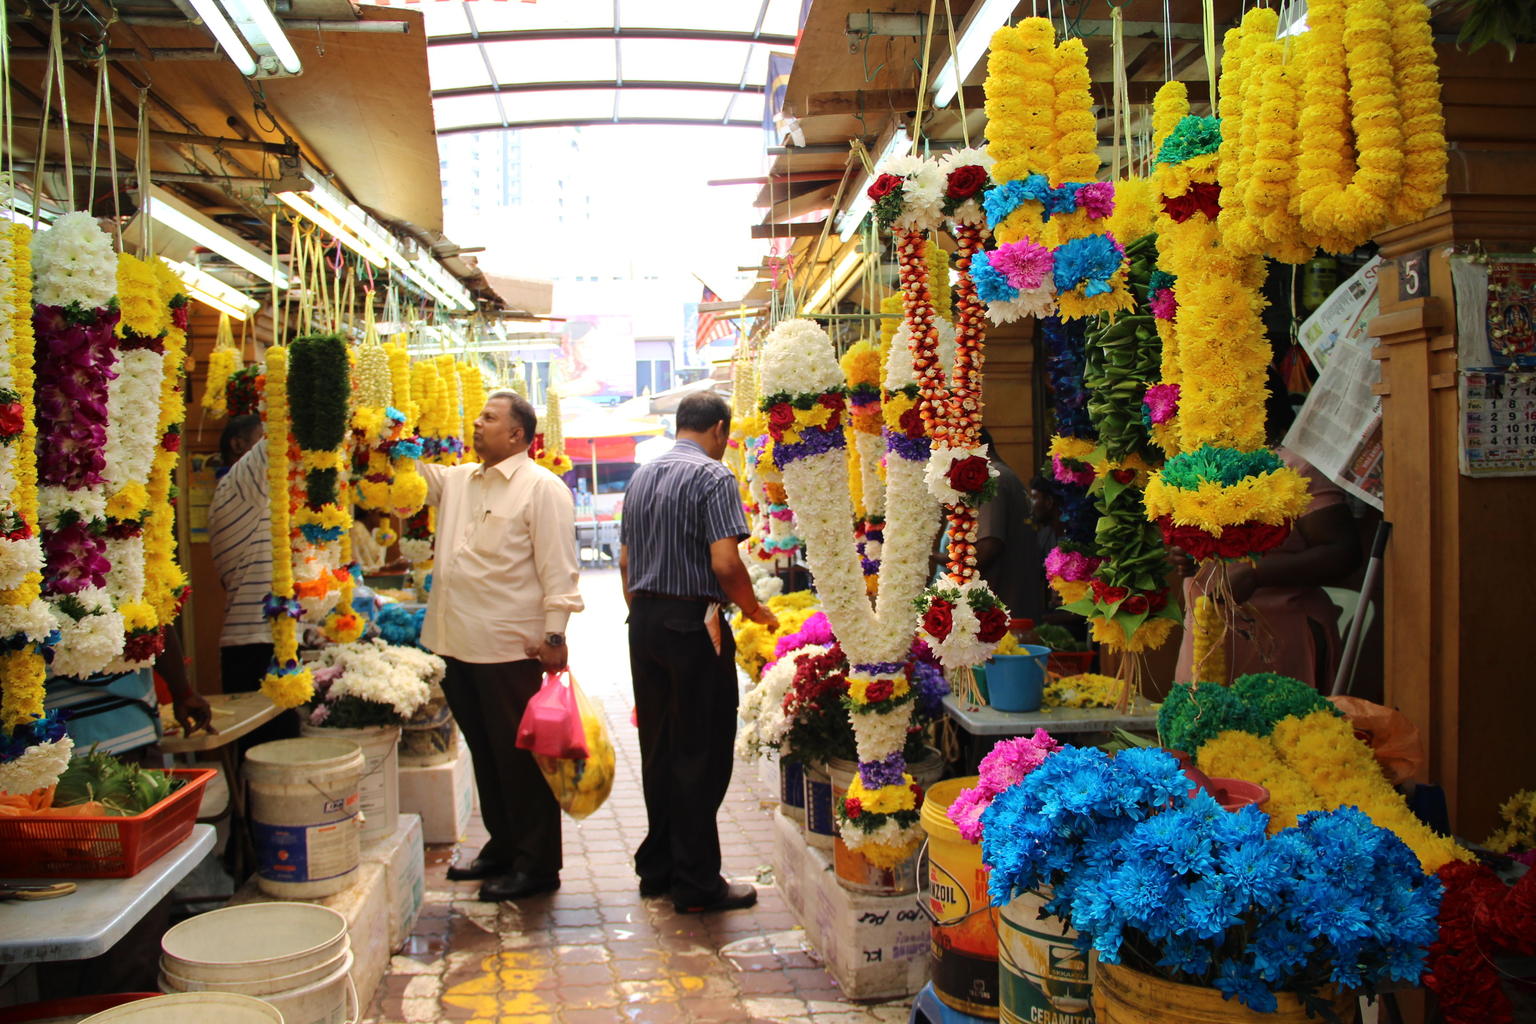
[
  {"x": 755, "y": 643},
  {"x": 407, "y": 487},
  {"x": 1323, "y": 750},
  {"x": 937, "y": 259},
  {"x": 1021, "y": 98},
  {"x": 1078, "y": 448},
  {"x": 451, "y": 412},
  {"x": 885, "y": 799},
  {"x": 138, "y": 299},
  {"x": 223, "y": 363},
  {"x": 1418, "y": 97},
  {"x": 1085, "y": 690},
  {"x": 1242, "y": 755},
  {"x": 22, "y": 671},
  {"x": 401, "y": 396},
  {"x": 554, "y": 458},
  {"x": 891, "y": 306},
  {"x": 1149, "y": 636},
  {"x": 1238, "y": 115},
  {"x": 165, "y": 582},
  {"x": 1077, "y": 140},
  {"x": 1209, "y": 656},
  {"x": 1518, "y": 833},
  {"x": 858, "y": 687},
  {"x": 343, "y": 625},
  {"x": 1276, "y": 497},
  {"x": 286, "y": 689},
  {"x": 472, "y": 387},
  {"x": 1135, "y": 213},
  {"x": 431, "y": 398}
]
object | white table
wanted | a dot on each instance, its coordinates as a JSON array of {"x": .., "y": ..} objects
[
  {"x": 988, "y": 721},
  {"x": 90, "y": 920}
]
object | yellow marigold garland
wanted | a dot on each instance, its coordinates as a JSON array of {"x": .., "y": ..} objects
[
  {"x": 287, "y": 683},
  {"x": 1210, "y": 643},
  {"x": 166, "y": 587},
  {"x": 1021, "y": 97},
  {"x": 223, "y": 362},
  {"x": 1416, "y": 72},
  {"x": 1077, "y": 141},
  {"x": 1242, "y": 755},
  {"x": 1135, "y": 210}
]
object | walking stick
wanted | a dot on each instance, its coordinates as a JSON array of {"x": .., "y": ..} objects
[{"x": 1346, "y": 677}]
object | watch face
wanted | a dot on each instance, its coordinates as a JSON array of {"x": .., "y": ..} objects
[{"x": 555, "y": 639}]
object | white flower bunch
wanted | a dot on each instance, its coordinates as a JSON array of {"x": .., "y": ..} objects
[
  {"x": 878, "y": 735},
  {"x": 799, "y": 359},
  {"x": 912, "y": 521},
  {"x": 133, "y": 417},
  {"x": 888, "y": 833},
  {"x": 35, "y": 621},
  {"x": 937, "y": 473},
  {"x": 39, "y": 767},
  {"x": 970, "y": 211},
  {"x": 400, "y": 678},
  {"x": 416, "y": 550},
  {"x": 764, "y": 724},
  {"x": 54, "y": 501},
  {"x": 126, "y": 580},
  {"x": 73, "y": 261},
  {"x": 1040, "y": 302},
  {"x": 93, "y": 641},
  {"x": 900, "y": 371},
  {"x": 961, "y": 647},
  {"x": 922, "y": 197}
]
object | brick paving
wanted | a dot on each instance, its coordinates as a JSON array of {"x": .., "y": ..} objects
[{"x": 595, "y": 952}]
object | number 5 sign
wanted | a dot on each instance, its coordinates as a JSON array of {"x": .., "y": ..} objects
[{"x": 1413, "y": 275}]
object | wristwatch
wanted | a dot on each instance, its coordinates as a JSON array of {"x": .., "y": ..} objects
[{"x": 555, "y": 639}]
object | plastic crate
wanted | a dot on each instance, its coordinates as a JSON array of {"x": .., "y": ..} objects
[
  {"x": 101, "y": 847},
  {"x": 1070, "y": 663}
]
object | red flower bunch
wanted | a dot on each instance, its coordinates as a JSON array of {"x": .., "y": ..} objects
[
  {"x": 879, "y": 690},
  {"x": 1202, "y": 197},
  {"x": 1479, "y": 916},
  {"x": 968, "y": 475},
  {"x": 853, "y": 807},
  {"x": 885, "y": 185},
  {"x": 12, "y": 419},
  {"x": 781, "y": 416},
  {"x": 939, "y": 619},
  {"x": 836, "y": 403},
  {"x": 965, "y": 182},
  {"x": 1104, "y": 593},
  {"x": 1235, "y": 541},
  {"x": 912, "y": 423},
  {"x": 992, "y": 625}
]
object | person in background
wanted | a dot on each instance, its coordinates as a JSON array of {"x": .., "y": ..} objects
[
  {"x": 371, "y": 556},
  {"x": 239, "y": 436},
  {"x": 1285, "y": 622},
  {"x": 679, "y": 564},
  {"x": 1007, "y": 549},
  {"x": 504, "y": 586}
]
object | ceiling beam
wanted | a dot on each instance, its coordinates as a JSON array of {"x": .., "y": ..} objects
[
  {"x": 541, "y": 35},
  {"x": 587, "y": 122},
  {"x": 505, "y": 87},
  {"x": 812, "y": 230}
]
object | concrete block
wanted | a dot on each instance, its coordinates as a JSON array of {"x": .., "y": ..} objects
[
  {"x": 442, "y": 794},
  {"x": 405, "y": 876}
]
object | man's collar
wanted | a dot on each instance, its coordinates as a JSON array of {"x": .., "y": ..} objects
[
  {"x": 692, "y": 443},
  {"x": 507, "y": 466}
]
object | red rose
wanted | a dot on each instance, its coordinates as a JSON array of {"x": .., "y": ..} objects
[
  {"x": 853, "y": 807},
  {"x": 912, "y": 422},
  {"x": 993, "y": 625},
  {"x": 1157, "y": 600},
  {"x": 1135, "y": 605},
  {"x": 965, "y": 182},
  {"x": 12, "y": 418},
  {"x": 1264, "y": 537},
  {"x": 884, "y": 186},
  {"x": 878, "y": 691},
  {"x": 831, "y": 401},
  {"x": 939, "y": 619},
  {"x": 968, "y": 475},
  {"x": 1106, "y": 594},
  {"x": 171, "y": 442},
  {"x": 780, "y": 418},
  {"x": 1123, "y": 476}
]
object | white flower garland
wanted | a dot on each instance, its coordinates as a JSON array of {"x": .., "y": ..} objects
[
  {"x": 37, "y": 768},
  {"x": 798, "y": 360},
  {"x": 73, "y": 262},
  {"x": 92, "y": 642},
  {"x": 922, "y": 206},
  {"x": 133, "y": 418}
]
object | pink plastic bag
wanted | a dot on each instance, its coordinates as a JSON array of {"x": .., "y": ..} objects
[{"x": 551, "y": 725}]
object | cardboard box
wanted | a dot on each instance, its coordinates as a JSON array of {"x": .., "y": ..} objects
[
  {"x": 405, "y": 876},
  {"x": 365, "y": 905},
  {"x": 789, "y": 861},
  {"x": 442, "y": 794}
]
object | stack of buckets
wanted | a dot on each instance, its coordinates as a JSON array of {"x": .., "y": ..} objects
[
  {"x": 296, "y": 957},
  {"x": 990, "y": 963}
]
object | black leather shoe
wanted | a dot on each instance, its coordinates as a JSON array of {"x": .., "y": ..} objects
[
  {"x": 477, "y": 869},
  {"x": 517, "y": 886},
  {"x": 734, "y": 897},
  {"x": 653, "y": 890}
]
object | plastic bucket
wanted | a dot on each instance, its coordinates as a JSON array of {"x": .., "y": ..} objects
[
  {"x": 254, "y": 941},
  {"x": 303, "y": 810},
  {"x": 792, "y": 789},
  {"x": 191, "y": 1008},
  {"x": 1016, "y": 682},
  {"x": 70, "y": 1010},
  {"x": 379, "y": 790},
  {"x": 853, "y": 869},
  {"x": 964, "y": 934},
  {"x": 820, "y": 823},
  {"x": 431, "y": 737},
  {"x": 1042, "y": 975},
  {"x": 1124, "y": 996},
  {"x": 331, "y": 999}
]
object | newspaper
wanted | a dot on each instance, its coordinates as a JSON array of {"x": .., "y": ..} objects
[{"x": 1339, "y": 427}]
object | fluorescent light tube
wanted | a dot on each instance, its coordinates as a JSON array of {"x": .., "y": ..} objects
[
  {"x": 259, "y": 26},
  {"x": 224, "y": 34},
  {"x": 862, "y": 204},
  {"x": 210, "y": 291},
  {"x": 836, "y": 282},
  {"x": 195, "y": 227},
  {"x": 975, "y": 34},
  {"x": 301, "y": 205}
]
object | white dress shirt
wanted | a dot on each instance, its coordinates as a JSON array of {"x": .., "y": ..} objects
[{"x": 504, "y": 571}]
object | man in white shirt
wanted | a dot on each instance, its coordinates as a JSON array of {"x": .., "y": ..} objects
[{"x": 504, "y": 582}]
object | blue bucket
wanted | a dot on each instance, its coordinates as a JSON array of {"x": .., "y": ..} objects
[
  {"x": 1016, "y": 682},
  {"x": 979, "y": 672}
]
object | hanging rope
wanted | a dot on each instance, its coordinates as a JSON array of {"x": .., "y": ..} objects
[
  {"x": 5, "y": 98},
  {"x": 146, "y": 224},
  {"x": 922, "y": 81},
  {"x": 1167, "y": 42},
  {"x": 954, "y": 56},
  {"x": 117, "y": 206},
  {"x": 1208, "y": 31},
  {"x": 1117, "y": 58}
]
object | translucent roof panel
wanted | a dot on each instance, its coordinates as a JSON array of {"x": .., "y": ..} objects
[{"x": 566, "y": 59}]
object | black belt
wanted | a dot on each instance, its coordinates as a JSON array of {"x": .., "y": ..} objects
[{"x": 653, "y": 595}]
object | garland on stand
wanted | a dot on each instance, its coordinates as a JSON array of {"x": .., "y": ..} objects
[
  {"x": 548, "y": 448},
  {"x": 133, "y": 419},
  {"x": 166, "y": 588},
  {"x": 319, "y": 393},
  {"x": 288, "y": 682},
  {"x": 407, "y": 487},
  {"x": 73, "y": 322},
  {"x": 223, "y": 363},
  {"x": 33, "y": 748}
]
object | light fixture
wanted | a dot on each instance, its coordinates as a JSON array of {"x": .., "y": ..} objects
[
  {"x": 166, "y": 209},
  {"x": 259, "y": 26},
  {"x": 837, "y": 282},
  {"x": 210, "y": 291},
  {"x": 224, "y": 33},
  {"x": 862, "y": 204},
  {"x": 975, "y": 33},
  {"x": 332, "y": 202},
  {"x": 301, "y": 205}
]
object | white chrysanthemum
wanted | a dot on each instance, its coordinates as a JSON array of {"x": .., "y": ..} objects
[
  {"x": 944, "y": 350},
  {"x": 878, "y": 736},
  {"x": 399, "y": 678},
  {"x": 937, "y": 473},
  {"x": 970, "y": 211},
  {"x": 961, "y": 647},
  {"x": 887, "y": 833},
  {"x": 54, "y": 501},
  {"x": 126, "y": 580},
  {"x": 799, "y": 359},
  {"x": 766, "y": 587},
  {"x": 91, "y": 643},
  {"x": 899, "y": 369},
  {"x": 1041, "y": 302},
  {"x": 922, "y": 195},
  {"x": 33, "y": 621},
  {"x": 871, "y": 450},
  {"x": 73, "y": 261},
  {"x": 17, "y": 559},
  {"x": 133, "y": 416},
  {"x": 764, "y": 724},
  {"x": 415, "y": 549},
  {"x": 39, "y": 767}
]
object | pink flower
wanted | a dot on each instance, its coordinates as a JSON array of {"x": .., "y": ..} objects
[
  {"x": 1097, "y": 198},
  {"x": 1081, "y": 475},
  {"x": 1162, "y": 402},
  {"x": 1023, "y": 263},
  {"x": 1163, "y": 304},
  {"x": 1072, "y": 566},
  {"x": 1007, "y": 765}
]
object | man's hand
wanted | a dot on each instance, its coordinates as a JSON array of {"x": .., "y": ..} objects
[
  {"x": 763, "y": 617},
  {"x": 552, "y": 658},
  {"x": 1243, "y": 578},
  {"x": 193, "y": 712}
]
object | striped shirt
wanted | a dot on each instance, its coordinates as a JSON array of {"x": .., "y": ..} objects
[
  {"x": 240, "y": 536},
  {"x": 674, "y": 509}
]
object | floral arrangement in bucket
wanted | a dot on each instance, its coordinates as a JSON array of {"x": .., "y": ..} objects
[
  {"x": 371, "y": 683},
  {"x": 1172, "y": 885}
]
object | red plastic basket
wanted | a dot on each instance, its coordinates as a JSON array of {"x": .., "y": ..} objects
[
  {"x": 101, "y": 847},
  {"x": 1070, "y": 663}
]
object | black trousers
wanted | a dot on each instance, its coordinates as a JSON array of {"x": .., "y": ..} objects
[
  {"x": 241, "y": 669},
  {"x": 518, "y": 809},
  {"x": 685, "y": 703}
]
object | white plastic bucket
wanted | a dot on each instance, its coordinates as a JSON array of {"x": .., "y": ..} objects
[
  {"x": 379, "y": 790},
  {"x": 331, "y": 999},
  {"x": 254, "y": 941},
  {"x": 303, "y": 809},
  {"x": 191, "y": 1008},
  {"x": 853, "y": 870}
]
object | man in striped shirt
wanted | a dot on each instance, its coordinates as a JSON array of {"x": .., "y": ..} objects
[{"x": 679, "y": 563}]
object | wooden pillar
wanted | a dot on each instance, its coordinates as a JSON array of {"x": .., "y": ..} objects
[
  {"x": 1009, "y": 392},
  {"x": 1459, "y": 583}
]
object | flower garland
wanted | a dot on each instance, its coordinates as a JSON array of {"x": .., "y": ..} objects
[
  {"x": 961, "y": 623},
  {"x": 223, "y": 363},
  {"x": 1073, "y": 561},
  {"x": 1416, "y": 74},
  {"x": 133, "y": 414},
  {"x": 862, "y": 371},
  {"x": 288, "y": 683},
  {"x": 449, "y": 411},
  {"x": 548, "y": 448},
  {"x": 472, "y": 395},
  {"x": 166, "y": 588},
  {"x": 73, "y": 322},
  {"x": 319, "y": 393},
  {"x": 34, "y": 748},
  {"x": 242, "y": 393},
  {"x": 407, "y": 487},
  {"x": 1209, "y": 656}
]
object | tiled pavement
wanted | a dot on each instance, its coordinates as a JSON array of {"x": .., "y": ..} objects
[{"x": 595, "y": 952}]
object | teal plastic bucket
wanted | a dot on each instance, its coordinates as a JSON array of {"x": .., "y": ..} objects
[
  {"x": 1016, "y": 682},
  {"x": 980, "y": 674}
]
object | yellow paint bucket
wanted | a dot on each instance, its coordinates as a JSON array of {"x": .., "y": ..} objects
[{"x": 964, "y": 936}]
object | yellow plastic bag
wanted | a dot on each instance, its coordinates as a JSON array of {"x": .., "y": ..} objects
[{"x": 582, "y": 784}]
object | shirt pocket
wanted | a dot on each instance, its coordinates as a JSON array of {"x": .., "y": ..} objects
[{"x": 493, "y": 534}]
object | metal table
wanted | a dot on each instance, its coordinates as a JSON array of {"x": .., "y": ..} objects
[
  {"x": 91, "y": 919},
  {"x": 1086, "y": 726}
]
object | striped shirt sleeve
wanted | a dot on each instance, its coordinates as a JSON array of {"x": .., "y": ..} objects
[{"x": 722, "y": 510}]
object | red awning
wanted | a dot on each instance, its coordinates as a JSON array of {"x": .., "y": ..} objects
[{"x": 609, "y": 449}]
